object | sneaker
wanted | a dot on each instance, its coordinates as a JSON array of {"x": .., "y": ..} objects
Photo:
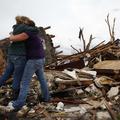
[
  {"x": 23, "y": 111},
  {"x": 10, "y": 103},
  {"x": 10, "y": 107}
]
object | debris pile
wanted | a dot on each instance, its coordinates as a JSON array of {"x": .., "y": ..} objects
[
  {"x": 76, "y": 94},
  {"x": 83, "y": 86},
  {"x": 91, "y": 92},
  {"x": 109, "y": 51}
]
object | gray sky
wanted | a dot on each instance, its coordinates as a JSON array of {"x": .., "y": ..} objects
[{"x": 65, "y": 18}]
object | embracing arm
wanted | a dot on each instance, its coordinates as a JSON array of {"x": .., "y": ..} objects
[{"x": 19, "y": 37}]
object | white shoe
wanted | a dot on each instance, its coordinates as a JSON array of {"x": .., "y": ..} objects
[
  {"x": 10, "y": 107},
  {"x": 10, "y": 103}
]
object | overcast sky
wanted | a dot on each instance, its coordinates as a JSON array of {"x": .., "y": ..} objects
[{"x": 65, "y": 18}]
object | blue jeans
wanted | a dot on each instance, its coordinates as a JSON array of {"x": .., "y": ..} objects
[
  {"x": 15, "y": 66},
  {"x": 32, "y": 66}
]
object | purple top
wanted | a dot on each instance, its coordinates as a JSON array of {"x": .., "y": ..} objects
[{"x": 34, "y": 46}]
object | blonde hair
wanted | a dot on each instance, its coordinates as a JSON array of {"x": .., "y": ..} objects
[
  {"x": 24, "y": 20},
  {"x": 18, "y": 19}
]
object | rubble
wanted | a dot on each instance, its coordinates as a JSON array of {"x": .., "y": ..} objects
[
  {"x": 83, "y": 86},
  {"x": 66, "y": 101}
]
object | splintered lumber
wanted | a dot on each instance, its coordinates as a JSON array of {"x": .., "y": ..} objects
[
  {"x": 60, "y": 74},
  {"x": 73, "y": 60},
  {"x": 109, "y": 67},
  {"x": 108, "y": 64},
  {"x": 111, "y": 112},
  {"x": 47, "y": 28},
  {"x": 82, "y": 81},
  {"x": 93, "y": 51},
  {"x": 99, "y": 44},
  {"x": 57, "y": 53},
  {"x": 69, "y": 100},
  {"x": 4, "y": 43},
  {"x": 63, "y": 92},
  {"x": 86, "y": 74},
  {"x": 66, "y": 116},
  {"x": 115, "y": 84},
  {"x": 58, "y": 46},
  {"x": 78, "y": 63},
  {"x": 51, "y": 36},
  {"x": 2, "y": 61}
]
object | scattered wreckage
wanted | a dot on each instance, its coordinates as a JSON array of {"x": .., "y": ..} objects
[{"x": 77, "y": 93}]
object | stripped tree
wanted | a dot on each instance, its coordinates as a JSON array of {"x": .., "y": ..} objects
[
  {"x": 111, "y": 29},
  {"x": 81, "y": 37}
]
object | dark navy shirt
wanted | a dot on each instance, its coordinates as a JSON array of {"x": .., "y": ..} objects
[{"x": 18, "y": 48}]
